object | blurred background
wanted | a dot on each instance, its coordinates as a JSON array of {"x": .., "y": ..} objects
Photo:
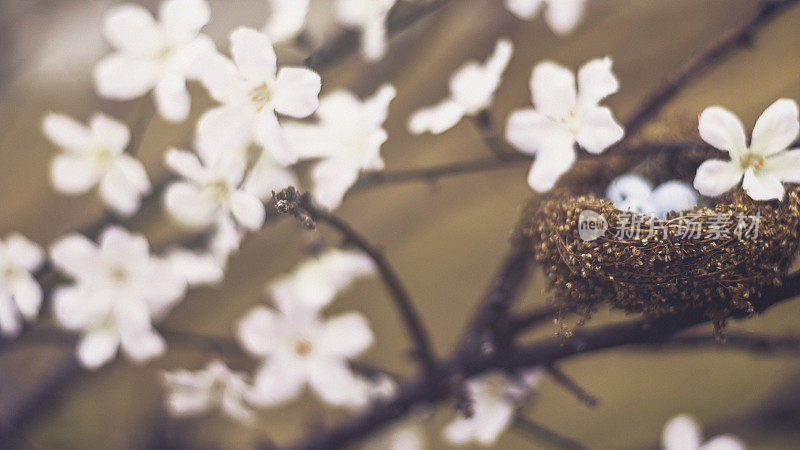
[{"x": 445, "y": 239}]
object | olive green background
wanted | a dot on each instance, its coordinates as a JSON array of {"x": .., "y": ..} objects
[{"x": 445, "y": 240}]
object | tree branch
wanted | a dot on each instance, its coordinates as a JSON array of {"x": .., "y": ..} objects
[
  {"x": 289, "y": 201},
  {"x": 541, "y": 432}
]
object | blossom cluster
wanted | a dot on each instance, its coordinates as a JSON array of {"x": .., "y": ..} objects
[{"x": 266, "y": 120}]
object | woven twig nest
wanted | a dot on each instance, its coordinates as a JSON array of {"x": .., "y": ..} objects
[{"x": 662, "y": 269}]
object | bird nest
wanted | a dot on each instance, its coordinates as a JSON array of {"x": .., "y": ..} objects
[{"x": 712, "y": 259}]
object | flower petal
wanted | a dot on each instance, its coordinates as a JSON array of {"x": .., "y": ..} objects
[
  {"x": 122, "y": 77},
  {"x": 335, "y": 383},
  {"x": 73, "y": 254},
  {"x": 66, "y": 133},
  {"x": 269, "y": 134},
  {"x": 275, "y": 382},
  {"x": 599, "y": 130},
  {"x": 777, "y": 128},
  {"x": 24, "y": 252},
  {"x": 527, "y": 129},
  {"x": 221, "y": 77},
  {"x": 722, "y": 129},
  {"x": 144, "y": 345},
  {"x": 198, "y": 269},
  {"x": 436, "y": 119},
  {"x": 762, "y": 186},
  {"x": 296, "y": 92},
  {"x": 723, "y": 442},
  {"x": 524, "y": 9},
  {"x": 784, "y": 165},
  {"x": 596, "y": 81},
  {"x": 257, "y": 331},
  {"x": 72, "y": 175},
  {"x": 286, "y": 20},
  {"x": 185, "y": 164},
  {"x": 183, "y": 19},
  {"x": 122, "y": 186},
  {"x": 267, "y": 176},
  {"x": 347, "y": 335},
  {"x": 226, "y": 127},
  {"x": 564, "y": 15},
  {"x": 10, "y": 321},
  {"x": 373, "y": 38},
  {"x": 172, "y": 98},
  {"x": 681, "y": 433},
  {"x": 332, "y": 179},
  {"x": 715, "y": 177},
  {"x": 187, "y": 203},
  {"x": 28, "y": 297},
  {"x": 253, "y": 53},
  {"x": 552, "y": 160},
  {"x": 110, "y": 132},
  {"x": 131, "y": 28},
  {"x": 553, "y": 89},
  {"x": 96, "y": 348},
  {"x": 247, "y": 209}
]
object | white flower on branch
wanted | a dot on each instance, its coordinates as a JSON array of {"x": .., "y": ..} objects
[
  {"x": 317, "y": 281},
  {"x": 251, "y": 91},
  {"x": 214, "y": 387},
  {"x": 20, "y": 293},
  {"x": 765, "y": 164},
  {"x": 633, "y": 193},
  {"x": 154, "y": 55},
  {"x": 369, "y": 16},
  {"x": 561, "y": 15},
  {"x": 472, "y": 89},
  {"x": 564, "y": 116},
  {"x": 96, "y": 154},
  {"x": 494, "y": 399},
  {"x": 299, "y": 347},
  {"x": 118, "y": 290},
  {"x": 287, "y": 18},
  {"x": 347, "y": 138},
  {"x": 683, "y": 432},
  {"x": 211, "y": 190}
]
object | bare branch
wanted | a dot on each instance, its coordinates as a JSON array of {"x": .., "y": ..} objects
[{"x": 564, "y": 380}]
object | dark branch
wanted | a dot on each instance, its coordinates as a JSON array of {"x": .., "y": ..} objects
[
  {"x": 290, "y": 201},
  {"x": 564, "y": 380}
]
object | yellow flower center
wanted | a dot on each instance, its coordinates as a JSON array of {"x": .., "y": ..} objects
[{"x": 261, "y": 95}]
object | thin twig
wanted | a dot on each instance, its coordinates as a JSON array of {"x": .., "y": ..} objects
[
  {"x": 302, "y": 207},
  {"x": 546, "y": 434},
  {"x": 564, "y": 380},
  {"x": 741, "y": 35}
]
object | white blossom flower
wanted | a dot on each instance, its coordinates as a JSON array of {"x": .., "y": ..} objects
[
  {"x": 633, "y": 193},
  {"x": 369, "y": 16},
  {"x": 154, "y": 55},
  {"x": 287, "y": 18},
  {"x": 214, "y": 387},
  {"x": 20, "y": 293},
  {"x": 494, "y": 400},
  {"x": 317, "y": 281},
  {"x": 472, "y": 89},
  {"x": 764, "y": 165},
  {"x": 406, "y": 435},
  {"x": 119, "y": 290},
  {"x": 348, "y": 138},
  {"x": 212, "y": 190},
  {"x": 251, "y": 91},
  {"x": 299, "y": 347},
  {"x": 562, "y": 15},
  {"x": 564, "y": 116},
  {"x": 682, "y": 432},
  {"x": 95, "y": 154},
  {"x": 268, "y": 175},
  {"x": 197, "y": 268}
]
